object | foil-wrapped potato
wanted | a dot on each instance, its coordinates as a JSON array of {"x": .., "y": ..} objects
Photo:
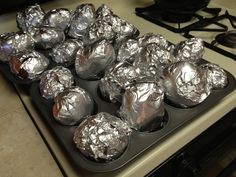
[
  {"x": 117, "y": 79},
  {"x": 142, "y": 104},
  {"x": 190, "y": 50},
  {"x": 12, "y": 44},
  {"x": 72, "y": 105},
  {"x": 32, "y": 16},
  {"x": 92, "y": 61},
  {"x": 57, "y": 18},
  {"x": 102, "y": 137},
  {"x": 186, "y": 84},
  {"x": 54, "y": 81},
  {"x": 29, "y": 66},
  {"x": 81, "y": 19},
  {"x": 216, "y": 76},
  {"x": 47, "y": 37},
  {"x": 65, "y": 52}
]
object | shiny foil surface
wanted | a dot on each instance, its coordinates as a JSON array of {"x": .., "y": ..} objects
[
  {"x": 47, "y": 37},
  {"x": 158, "y": 39},
  {"x": 116, "y": 80},
  {"x": 82, "y": 17},
  {"x": 103, "y": 11},
  {"x": 100, "y": 29},
  {"x": 65, "y": 52},
  {"x": 12, "y": 44},
  {"x": 102, "y": 137},
  {"x": 54, "y": 81},
  {"x": 128, "y": 51},
  {"x": 142, "y": 103},
  {"x": 29, "y": 65},
  {"x": 190, "y": 50},
  {"x": 153, "y": 59},
  {"x": 216, "y": 76},
  {"x": 122, "y": 29},
  {"x": 186, "y": 84},
  {"x": 58, "y": 18},
  {"x": 72, "y": 105},
  {"x": 32, "y": 16},
  {"x": 92, "y": 61}
]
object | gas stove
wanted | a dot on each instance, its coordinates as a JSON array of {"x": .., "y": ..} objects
[{"x": 216, "y": 26}]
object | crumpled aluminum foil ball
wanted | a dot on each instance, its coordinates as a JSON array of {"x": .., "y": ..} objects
[
  {"x": 81, "y": 19},
  {"x": 153, "y": 59},
  {"x": 216, "y": 76},
  {"x": 71, "y": 105},
  {"x": 116, "y": 80},
  {"x": 65, "y": 52},
  {"x": 32, "y": 16},
  {"x": 12, "y": 44},
  {"x": 29, "y": 66},
  {"x": 103, "y": 11},
  {"x": 190, "y": 50},
  {"x": 54, "y": 81},
  {"x": 142, "y": 104},
  {"x": 93, "y": 60},
  {"x": 121, "y": 28},
  {"x": 186, "y": 84},
  {"x": 98, "y": 30},
  {"x": 102, "y": 137},
  {"x": 47, "y": 37},
  {"x": 57, "y": 18},
  {"x": 158, "y": 39},
  {"x": 128, "y": 51}
]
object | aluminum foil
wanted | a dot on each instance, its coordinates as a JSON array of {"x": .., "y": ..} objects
[
  {"x": 72, "y": 105},
  {"x": 102, "y": 137},
  {"x": 121, "y": 28},
  {"x": 12, "y": 44},
  {"x": 29, "y": 65},
  {"x": 117, "y": 79},
  {"x": 128, "y": 51},
  {"x": 186, "y": 84},
  {"x": 155, "y": 38},
  {"x": 100, "y": 29},
  {"x": 216, "y": 76},
  {"x": 65, "y": 52},
  {"x": 142, "y": 104},
  {"x": 32, "y": 16},
  {"x": 54, "y": 81},
  {"x": 58, "y": 18},
  {"x": 82, "y": 17},
  {"x": 190, "y": 50},
  {"x": 153, "y": 59},
  {"x": 103, "y": 11},
  {"x": 47, "y": 37},
  {"x": 92, "y": 61}
]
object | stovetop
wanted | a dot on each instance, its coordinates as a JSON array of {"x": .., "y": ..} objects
[{"x": 216, "y": 26}]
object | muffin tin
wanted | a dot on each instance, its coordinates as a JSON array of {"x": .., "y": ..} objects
[{"x": 139, "y": 142}]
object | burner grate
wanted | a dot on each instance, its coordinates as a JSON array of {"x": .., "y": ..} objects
[{"x": 198, "y": 23}]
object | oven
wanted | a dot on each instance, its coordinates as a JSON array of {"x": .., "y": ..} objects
[{"x": 212, "y": 153}]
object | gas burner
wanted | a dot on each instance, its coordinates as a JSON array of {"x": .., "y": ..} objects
[
  {"x": 227, "y": 39},
  {"x": 193, "y": 24},
  {"x": 161, "y": 17},
  {"x": 176, "y": 18}
]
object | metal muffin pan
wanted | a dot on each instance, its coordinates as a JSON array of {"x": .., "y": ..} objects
[{"x": 139, "y": 141}]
